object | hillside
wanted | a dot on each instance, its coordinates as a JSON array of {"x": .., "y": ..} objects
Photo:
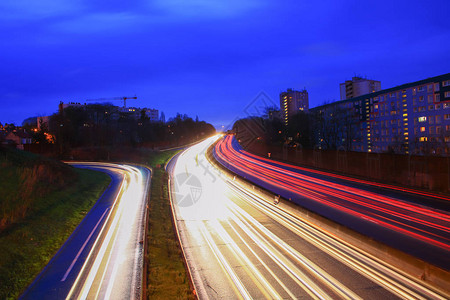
[
  {"x": 25, "y": 178},
  {"x": 41, "y": 203}
]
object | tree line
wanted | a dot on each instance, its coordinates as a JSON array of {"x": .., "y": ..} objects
[{"x": 100, "y": 125}]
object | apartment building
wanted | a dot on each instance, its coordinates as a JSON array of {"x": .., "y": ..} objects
[
  {"x": 291, "y": 102},
  {"x": 358, "y": 86},
  {"x": 413, "y": 118}
]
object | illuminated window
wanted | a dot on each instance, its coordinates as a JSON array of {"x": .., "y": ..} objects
[
  {"x": 422, "y": 129},
  {"x": 423, "y": 139},
  {"x": 423, "y": 119}
]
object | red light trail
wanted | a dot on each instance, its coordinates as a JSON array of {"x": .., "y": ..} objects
[{"x": 416, "y": 221}]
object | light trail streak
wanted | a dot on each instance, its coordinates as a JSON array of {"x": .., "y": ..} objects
[
  {"x": 243, "y": 292},
  {"x": 249, "y": 224},
  {"x": 366, "y": 264},
  {"x": 234, "y": 222},
  {"x": 115, "y": 254},
  {"x": 416, "y": 221},
  {"x": 370, "y": 183}
]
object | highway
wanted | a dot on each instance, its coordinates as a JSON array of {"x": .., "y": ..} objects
[
  {"x": 239, "y": 245},
  {"x": 103, "y": 257},
  {"x": 384, "y": 214}
]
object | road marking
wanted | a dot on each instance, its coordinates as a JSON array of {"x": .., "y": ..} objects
[{"x": 82, "y": 247}]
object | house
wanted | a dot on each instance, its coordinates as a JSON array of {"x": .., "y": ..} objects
[{"x": 19, "y": 138}]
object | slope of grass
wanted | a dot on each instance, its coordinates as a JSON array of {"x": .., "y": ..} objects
[
  {"x": 166, "y": 275},
  {"x": 26, "y": 177},
  {"x": 47, "y": 200}
]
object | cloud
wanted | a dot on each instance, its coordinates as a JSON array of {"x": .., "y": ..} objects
[
  {"x": 99, "y": 22},
  {"x": 206, "y": 9},
  {"x": 32, "y": 9}
]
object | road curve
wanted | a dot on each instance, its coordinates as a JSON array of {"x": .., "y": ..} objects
[
  {"x": 397, "y": 219},
  {"x": 239, "y": 245},
  {"x": 103, "y": 257}
]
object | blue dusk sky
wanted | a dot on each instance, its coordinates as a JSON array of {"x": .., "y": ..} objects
[{"x": 210, "y": 58}]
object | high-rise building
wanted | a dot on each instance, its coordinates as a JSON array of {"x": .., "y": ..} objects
[
  {"x": 412, "y": 118},
  {"x": 358, "y": 86},
  {"x": 291, "y": 102}
]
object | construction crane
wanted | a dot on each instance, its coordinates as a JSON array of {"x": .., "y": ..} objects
[{"x": 124, "y": 99}]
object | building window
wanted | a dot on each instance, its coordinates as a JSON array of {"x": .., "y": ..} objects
[
  {"x": 437, "y": 106},
  {"x": 437, "y": 97},
  {"x": 431, "y": 107},
  {"x": 422, "y": 129},
  {"x": 447, "y": 94},
  {"x": 432, "y": 130},
  {"x": 430, "y": 88},
  {"x": 438, "y": 129},
  {"x": 446, "y": 83},
  {"x": 438, "y": 119},
  {"x": 423, "y": 139},
  {"x": 430, "y": 98},
  {"x": 446, "y": 105},
  {"x": 447, "y": 127},
  {"x": 447, "y": 117},
  {"x": 422, "y": 119},
  {"x": 431, "y": 119},
  {"x": 420, "y": 89},
  {"x": 436, "y": 87},
  {"x": 420, "y": 98}
]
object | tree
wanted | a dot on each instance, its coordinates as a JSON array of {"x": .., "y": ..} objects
[{"x": 301, "y": 129}]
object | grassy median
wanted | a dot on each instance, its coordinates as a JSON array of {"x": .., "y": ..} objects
[
  {"x": 166, "y": 275},
  {"x": 44, "y": 217}
]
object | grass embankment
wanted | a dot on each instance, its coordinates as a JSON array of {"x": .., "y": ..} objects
[
  {"x": 166, "y": 275},
  {"x": 41, "y": 203}
]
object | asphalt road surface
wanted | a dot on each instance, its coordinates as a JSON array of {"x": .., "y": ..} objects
[
  {"x": 415, "y": 222},
  {"x": 103, "y": 257},
  {"x": 239, "y": 245}
]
